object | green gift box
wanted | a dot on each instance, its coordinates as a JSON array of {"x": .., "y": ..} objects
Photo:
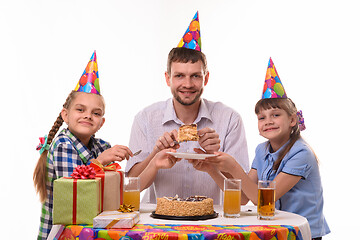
[{"x": 76, "y": 201}]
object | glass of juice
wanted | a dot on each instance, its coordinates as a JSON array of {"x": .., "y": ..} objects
[
  {"x": 132, "y": 192},
  {"x": 266, "y": 200},
  {"x": 232, "y": 198}
]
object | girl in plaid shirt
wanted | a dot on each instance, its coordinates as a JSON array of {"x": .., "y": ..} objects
[{"x": 83, "y": 112}]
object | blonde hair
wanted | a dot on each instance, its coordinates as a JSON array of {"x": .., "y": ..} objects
[
  {"x": 289, "y": 107},
  {"x": 40, "y": 172}
]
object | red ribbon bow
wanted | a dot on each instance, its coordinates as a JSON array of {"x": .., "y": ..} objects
[{"x": 83, "y": 172}]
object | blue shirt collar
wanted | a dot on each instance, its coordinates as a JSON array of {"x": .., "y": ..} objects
[
  {"x": 274, "y": 155},
  {"x": 270, "y": 158}
]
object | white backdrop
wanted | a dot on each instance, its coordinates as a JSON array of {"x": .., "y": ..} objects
[{"x": 45, "y": 46}]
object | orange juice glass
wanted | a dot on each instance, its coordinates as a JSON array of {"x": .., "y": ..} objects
[
  {"x": 132, "y": 192},
  {"x": 232, "y": 198}
]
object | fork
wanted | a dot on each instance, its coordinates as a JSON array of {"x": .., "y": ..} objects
[{"x": 137, "y": 153}]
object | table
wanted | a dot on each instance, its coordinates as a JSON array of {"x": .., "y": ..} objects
[{"x": 219, "y": 228}]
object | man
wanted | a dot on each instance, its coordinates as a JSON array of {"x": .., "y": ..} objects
[{"x": 155, "y": 128}]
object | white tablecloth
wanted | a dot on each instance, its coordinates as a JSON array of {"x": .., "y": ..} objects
[{"x": 248, "y": 217}]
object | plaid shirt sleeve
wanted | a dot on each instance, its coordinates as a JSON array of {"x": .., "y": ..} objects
[{"x": 62, "y": 160}]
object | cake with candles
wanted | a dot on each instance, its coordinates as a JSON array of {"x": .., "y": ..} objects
[{"x": 191, "y": 206}]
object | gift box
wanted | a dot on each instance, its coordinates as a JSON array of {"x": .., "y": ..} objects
[
  {"x": 55, "y": 232},
  {"x": 116, "y": 219},
  {"x": 112, "y": 184},
  {"x": 76, "y": 201}
]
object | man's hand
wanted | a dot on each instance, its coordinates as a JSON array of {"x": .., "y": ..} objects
[
  {"x": 209, "y": 140},
  {"x": 166, "y": 141}
]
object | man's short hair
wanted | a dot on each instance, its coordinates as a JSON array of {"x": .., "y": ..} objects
[{"x": 185, "y": 55}]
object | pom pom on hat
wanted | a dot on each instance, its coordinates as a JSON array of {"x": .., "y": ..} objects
[
  {"x": 273, "y": 87},
  {"x": 192, "y": 38},
  {"x": 89, "y": 80}
]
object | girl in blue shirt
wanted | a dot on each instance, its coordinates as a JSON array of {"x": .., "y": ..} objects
[{"x": 285, "y": 158}]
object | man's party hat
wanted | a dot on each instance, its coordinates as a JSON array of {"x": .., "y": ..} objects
[
  {"x": 192, "y": 38},
  {"x": 273, "y": 87},
  {"x": 89, "y": 81}
]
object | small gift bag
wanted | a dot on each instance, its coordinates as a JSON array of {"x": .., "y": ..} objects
[
  {"x": 112, "y": 183},
  {"x": 116, "y": 219},
  {"x": 77, "y": 200}
]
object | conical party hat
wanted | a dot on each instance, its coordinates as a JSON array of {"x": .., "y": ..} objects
[
  {"x": 273, "y": 87},
  {"x": 89, "y": 81},
  {"x": 192, "y": 38}
]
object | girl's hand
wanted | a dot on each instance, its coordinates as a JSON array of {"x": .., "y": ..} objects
[
  {"x": 223, "y": 162},
  {"x": 116, "y": 153},
  {"x": 201, "y": 165},
  {"x": 163, "y": 160}
]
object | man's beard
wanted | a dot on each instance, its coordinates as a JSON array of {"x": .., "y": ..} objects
[{"x": 197, "y": 97}]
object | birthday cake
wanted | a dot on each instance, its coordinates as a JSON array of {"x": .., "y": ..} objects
[
  {"x": 191, "y": 206},
  {"x": 188, "y": 133}
]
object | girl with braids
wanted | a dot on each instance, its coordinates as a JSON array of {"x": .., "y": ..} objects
[
  {"x": 285, "y": 158},
  {"x": 83, "y": 112}
]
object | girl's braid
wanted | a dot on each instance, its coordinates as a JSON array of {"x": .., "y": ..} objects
[
  {"x": 59, "y": 121},
  {"x": 40, "y": 172},
  {"x": 55, "y": 128}
]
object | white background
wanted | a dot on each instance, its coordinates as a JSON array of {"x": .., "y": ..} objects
[{"x": 45, "y": 46}]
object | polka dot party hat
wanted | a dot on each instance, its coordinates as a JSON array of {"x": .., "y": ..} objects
[
  {"x": 192, "y": 38},
  {"x": 273, "y": 87},
  {"x": 89, "y": 80}
]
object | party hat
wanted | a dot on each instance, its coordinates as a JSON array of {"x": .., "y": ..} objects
[
  {"x": 273, "y": 87},
  {"x": 89, "y": 81},
  {"x": 192, "y": 38}
]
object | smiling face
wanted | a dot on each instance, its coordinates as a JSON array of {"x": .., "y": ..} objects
[
  {"x": 187, "y": 81},
  {"x": 85, "y": 115},
  {"x": 276, "y": 125}
]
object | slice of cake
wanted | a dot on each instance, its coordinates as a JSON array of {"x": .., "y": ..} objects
[
  {"x": 191, "y": 206},
  {"x": 188, "y": 133}
]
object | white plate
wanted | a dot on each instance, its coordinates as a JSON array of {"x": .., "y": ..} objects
[{"x": 191, "y": 155}]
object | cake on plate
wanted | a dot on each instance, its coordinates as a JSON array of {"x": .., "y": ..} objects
[
  {"x": 188, "y": 133},
  {"x": 191, "y": 206}
]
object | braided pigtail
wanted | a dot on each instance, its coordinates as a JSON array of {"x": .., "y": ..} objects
[{"x": 40, "y": 172}]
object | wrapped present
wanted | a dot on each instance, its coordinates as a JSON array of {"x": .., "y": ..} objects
[
  {"x": 112, "y": 183},
  {"x": 76, "y": 200},
  {"x": 55, "y": 232},
  {"x": 116, "y": 219}
]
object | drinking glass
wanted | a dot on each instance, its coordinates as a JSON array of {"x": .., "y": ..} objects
[
  {"x": 232, "y": 198},
  {"x": 132, "y": 192},
  {"x": 266, "y": 200}
]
